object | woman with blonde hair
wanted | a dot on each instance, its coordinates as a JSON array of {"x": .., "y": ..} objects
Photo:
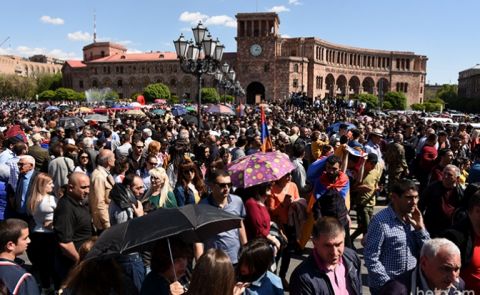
[
  {"x": 41, "y": 205},
  {"x": 160, "y": 194}
]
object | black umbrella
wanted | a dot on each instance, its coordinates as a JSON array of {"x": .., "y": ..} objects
[
  {"x": 71, "y": 122},
  {"x": 190, "y": 119},
  {"x": 192, "y": 223}
]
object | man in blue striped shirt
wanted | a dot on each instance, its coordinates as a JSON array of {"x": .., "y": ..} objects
[{"x": 395, "y": 236}]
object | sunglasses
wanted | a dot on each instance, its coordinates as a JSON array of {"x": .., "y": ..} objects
[
  {"x": 84, "y": 157},
  {"x": 224, "y": 185},
  {"x": 139, "y": 146},
  {"x": 153, "y": 163},
  {"x": 154, "y": 178}
]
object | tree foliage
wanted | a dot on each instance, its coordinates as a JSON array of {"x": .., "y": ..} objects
[
  {"x": 157, "y": 90},
  {"x": 49, "y": 82},
  {"x": 395, "y": 101},
  {"x": 370, "y": 99},
  {"x": 17, "y": 87},
  {"x": 66, "y": 94},
  {"x": 210, "y": 95},
  {"x": 46, "y": 95}
]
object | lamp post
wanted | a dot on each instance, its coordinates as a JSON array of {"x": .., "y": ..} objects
[
  {"x": 202, "y": 56},
  {"x": 226, "y": 80}
]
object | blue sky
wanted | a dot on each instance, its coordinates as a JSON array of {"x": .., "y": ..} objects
[{"x": 446, "y": 31}]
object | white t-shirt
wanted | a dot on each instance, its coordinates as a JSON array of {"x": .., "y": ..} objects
[{"x": 44, "y": 212}]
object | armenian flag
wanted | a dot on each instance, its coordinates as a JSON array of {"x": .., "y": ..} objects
[{"x": 267, "y": 145}]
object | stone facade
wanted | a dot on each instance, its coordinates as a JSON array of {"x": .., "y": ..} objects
[
  {"x": 268, "y": 66},
  {"x": 469, "y": 82},
  {"x": 36, "y": 65},
  {"x": 317, "y": 67},
  {"x": 109, "y": 65}
]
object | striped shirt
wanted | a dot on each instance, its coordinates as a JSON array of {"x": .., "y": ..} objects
[{"x": 392, "y": 247}]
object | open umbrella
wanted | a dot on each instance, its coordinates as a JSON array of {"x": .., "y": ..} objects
[
  {"x": 135, "y": 113},
  {"x": 190, "y": 119},
  {"x": 219, "y": 109},
  {"x": 85, "y": 110},
  {"x": 97, "y": 118},
  {"x": 179, "y": 110},
  {"x": 259, "y": 168},
  {"x": 160, "y": 101},
  {"x": 191, "y": 108},
  {"x": 159, "y": 112},
  {"x": 191, "y": 223},
  {"x": 71, "y": 122},
  {"x": 52, "y": 108},
  {"x": 135, "y": 105},
  {"x": 336, "y": 126}
]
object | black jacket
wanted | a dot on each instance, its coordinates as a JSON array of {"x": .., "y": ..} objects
[
  {"x": 462, "y": 235},
  {"x": 308, "y": 279}
]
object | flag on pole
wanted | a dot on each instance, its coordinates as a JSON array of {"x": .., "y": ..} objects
[{"x": 267, "y": 145}]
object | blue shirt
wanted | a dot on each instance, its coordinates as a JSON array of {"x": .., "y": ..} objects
[
  {"x": 267, "y": 284},
  {"x": 474, "y": 174},
  {"x": 228, "y": 241},
  {"x": 391, "y": 248},
  {"x": 26, "y": 181},
  {"x": 6, "y": 155}
]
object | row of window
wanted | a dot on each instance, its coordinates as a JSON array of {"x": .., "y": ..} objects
[
  {"x": 120, "y": 83},
  {"x": 161, "y": 69}
]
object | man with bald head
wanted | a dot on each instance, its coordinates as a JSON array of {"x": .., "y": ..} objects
[
  {"x": 101, "y": 184},
  {"x": 72, "y": 224}
]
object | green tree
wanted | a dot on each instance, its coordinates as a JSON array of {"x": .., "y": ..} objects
[
  {"x": 174, "y": 99},
  {"x": 154, "y": 91},
  {"x": 396, "y": 100},
  {"x": 66, "y": 94},
  {"x": 432, "y": 106},
  {"x": 135, "y": 95},
  {"x": 111, "y": 95},
  {"x": 210, "y": 95},
  {"x": 447, "y": 93},
  {"x": 417, "y": 107},
  {"x": 370, "y": 99},
  {"x": 49, "y": 82},
  {"x": 46, "y": 95}
]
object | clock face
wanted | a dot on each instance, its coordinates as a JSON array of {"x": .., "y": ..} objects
[{"x": 255, "y": 50}]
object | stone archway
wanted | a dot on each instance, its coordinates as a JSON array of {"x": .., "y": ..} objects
[
  {"x": 342, "y": 86},
  {"x": 368, "y": 84},
  {"x": 253, "y": 90},
  {"x": 354, "y": 86},
  {"x": 383, "y": 86},
  {"x": 330, "y": 85}
]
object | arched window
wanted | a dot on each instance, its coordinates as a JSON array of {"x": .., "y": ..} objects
[{"x": 295, "y": 68}]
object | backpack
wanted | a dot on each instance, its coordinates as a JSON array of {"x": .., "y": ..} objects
[{"x": 332, "y": 204}]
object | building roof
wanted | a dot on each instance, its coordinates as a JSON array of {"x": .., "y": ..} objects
[
  {"x": 76, "y": 63},
  {"x": 129, "y": 57}
]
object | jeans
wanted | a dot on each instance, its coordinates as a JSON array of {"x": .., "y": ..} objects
[{"x": 133, "y": 266}]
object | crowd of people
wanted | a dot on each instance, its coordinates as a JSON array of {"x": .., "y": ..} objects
[{"x": 63, "y": 186}]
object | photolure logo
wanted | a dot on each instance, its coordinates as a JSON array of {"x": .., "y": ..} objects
[{"x": 444, "y": 292}]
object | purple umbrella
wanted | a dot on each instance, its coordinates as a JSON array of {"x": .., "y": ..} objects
[
  {"x": 259, "y": 168},
  {"x": 219, "y": 109}
]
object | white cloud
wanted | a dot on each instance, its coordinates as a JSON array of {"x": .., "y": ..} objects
[
  {"x": 221, "y": 20},
  {"x": 26, "y": 51},
  {"x": 286, "y": 36},
  {"x": 215, "y": 20},
  {"x": 52, "y": 20},
  {"x": 279, "y": 9},
  {"x": 79, "y": 36},
  {"x": 192, "y": 17},
  {"x": 294, "y": 2}
]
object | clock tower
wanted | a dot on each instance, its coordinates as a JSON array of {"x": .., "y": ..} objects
[{"x": 258, "y": 45}]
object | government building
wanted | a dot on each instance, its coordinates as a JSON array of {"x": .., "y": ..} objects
[
  {"x": 469, "y": 83},
  {"x": 269, "y": 67}
]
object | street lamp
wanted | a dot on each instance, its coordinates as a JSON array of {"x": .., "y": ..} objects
[
  {"x": 226, "y": 80},
  {"x": 202, "y": 56}
]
